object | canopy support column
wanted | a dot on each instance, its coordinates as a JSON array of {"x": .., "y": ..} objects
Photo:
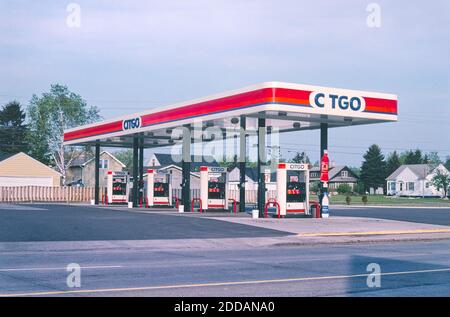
[
  {"x": 242, "y": 164},
  {"x": 261, "y": 164},
  {"x": 186, "y": 168},
  {"x": 135, "y": 170},
  {"x": 141, "y": 167},
  {"x": 97, "y": 174}
]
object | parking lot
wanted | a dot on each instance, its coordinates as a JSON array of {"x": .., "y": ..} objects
[{"x": 59, "y": 222}]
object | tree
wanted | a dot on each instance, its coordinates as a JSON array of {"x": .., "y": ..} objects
[
  {"x": 344, "y": 189},
  {"x": 300, "y": 157},
  {"x": 432, "y": 158},
  {"x": 411, "y": 157},
  {"x": 373, "y": 168},
  {"x": 392, "y": 163},
  {"x": 447, "y": 163},
  {"x": 13, "y": 131},
  {"x": 126, "y": 157},
  {"x": 49, "y": 116},
  {"x": 441, "y": 180}
]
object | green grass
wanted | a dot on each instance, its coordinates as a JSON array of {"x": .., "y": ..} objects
[{"x": 386, "y": 200}]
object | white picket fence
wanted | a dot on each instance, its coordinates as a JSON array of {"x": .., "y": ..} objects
[
  {"x": 46, "y": 194},
  {"x": 19, "y": 194}
]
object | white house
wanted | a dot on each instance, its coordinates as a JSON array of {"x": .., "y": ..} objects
[{"x": 414, "y": 180}]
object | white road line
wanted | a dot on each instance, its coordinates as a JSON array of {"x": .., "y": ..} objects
[
  {"x": 57, "y": 268},
  {"x": 163, "y": 287}
]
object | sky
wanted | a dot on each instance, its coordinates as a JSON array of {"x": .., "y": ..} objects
[{"x": 128, "y": 56}]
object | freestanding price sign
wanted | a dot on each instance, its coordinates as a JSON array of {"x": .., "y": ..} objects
[{"x": 324, "y": 167}]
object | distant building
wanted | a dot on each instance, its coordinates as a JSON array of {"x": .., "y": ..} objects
[
  {"x": 162, "y": 159},
  {"x": 82, "y": 170},
  {"x": 339, "y": 174},
  {"x": 414, "y": 180},
  {"x": 251, "y": 179},
  {"x": 21, "y": 169},
  {"x": 172, "y": 165}
]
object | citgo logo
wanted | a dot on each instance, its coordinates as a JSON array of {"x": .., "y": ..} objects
[
  {"x": 336, "y": 102},
  {"x": 131, "y": 124}
]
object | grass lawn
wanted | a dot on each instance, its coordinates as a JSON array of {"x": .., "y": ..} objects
[{"x": 387, "y": 200}]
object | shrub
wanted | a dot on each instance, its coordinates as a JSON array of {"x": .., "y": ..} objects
[
  {"x": 344, "y": 189},
  {"x": 348, "y": 200},
  {"x": 364, "y": 199}
]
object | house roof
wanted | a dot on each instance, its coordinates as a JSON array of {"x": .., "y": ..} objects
[
  {"x": 250, "y": 172},
  {"x": 92, "y": 158},
  {"x": 6, "y": 156},
  {"x": 196, "y": 160},
  {"x": 420, "y": 170},
  {"x": 334, "y": 173},
  {"x": 146, "y": 168}
]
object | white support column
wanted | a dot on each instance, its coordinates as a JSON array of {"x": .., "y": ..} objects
[
  {"x": 109, "y": 186},
  {"x": 281, "y": 188},
  {"x": 150, "y": 187},
  {"x": 204, "y": 186}
]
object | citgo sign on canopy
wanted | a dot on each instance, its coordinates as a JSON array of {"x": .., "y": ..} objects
[
  {"x": 327, "y": 100},
  {"x": 131, "y": 124}
]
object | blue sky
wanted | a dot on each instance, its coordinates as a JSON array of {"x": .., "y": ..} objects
[{"x": 129, "y": 56}]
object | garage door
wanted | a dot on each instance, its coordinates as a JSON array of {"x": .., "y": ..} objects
[{"x": 25, "y": 181}]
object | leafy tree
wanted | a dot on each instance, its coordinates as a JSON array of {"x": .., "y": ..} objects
[
  {"x": 392, "y": 163},
  {"x": 126, "y": 157},
  {"x": 13, "y": 131},
  {"x": 373, "y": 168},
  {"x": 49, "y": 115},
  {"x": 432, "y": 158},
  {"x": 447, "y": 163},
  {"x": 344, "y": 189},
  {"x": 441, "y": 180},
  {"x": 300, "y": 157}
]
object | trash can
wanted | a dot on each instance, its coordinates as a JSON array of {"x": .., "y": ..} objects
[
  {"x": 255, "y": 213},
  {"x": 130, "y": 204},
  {"x": 180, "y": 208}
]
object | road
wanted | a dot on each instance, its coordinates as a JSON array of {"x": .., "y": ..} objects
[
  {"x": 430, "y": 215},
  {"x": 125, "y": 253},
  {"x": 407, "y": 269}
]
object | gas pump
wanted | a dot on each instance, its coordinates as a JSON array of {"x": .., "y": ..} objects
[
  {"x": 213, "y": 188},
  {"x": 117, "y": 187},
  {"x": 293, "y": 189},
  {"x": 159, "y": 188}
]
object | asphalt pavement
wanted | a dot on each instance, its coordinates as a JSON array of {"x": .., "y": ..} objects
[
  {"x": 60, "y": 222},
  {"x": 406, "y": 269},
  {"x": 429, "y": 215},
  {"x": 123, "y": 253}
]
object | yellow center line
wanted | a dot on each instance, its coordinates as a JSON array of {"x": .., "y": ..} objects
[
  {"x": 251, "y": 282},
  {"x": 366, "y": 233}
]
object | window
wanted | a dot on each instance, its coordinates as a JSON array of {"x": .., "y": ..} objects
[
  {"x": 401, "y": 186},
  {"x": 104, "y": 164},
  {"x": 427, "y": 185},
  {"x": 410, "y": 186},
  {"x": 344, "y": 174},
  {"x": 392, "y": 184}
]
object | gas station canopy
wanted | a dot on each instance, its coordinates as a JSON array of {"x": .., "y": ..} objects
[{"x": 286, "y": 106}]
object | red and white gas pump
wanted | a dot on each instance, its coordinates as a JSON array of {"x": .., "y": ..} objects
[
  {"x": 159, "y": 188},
  {"x": 293, "y": 188},
  {"x": 213, "y": 188},
  {"x": 117, "y": 187}
]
